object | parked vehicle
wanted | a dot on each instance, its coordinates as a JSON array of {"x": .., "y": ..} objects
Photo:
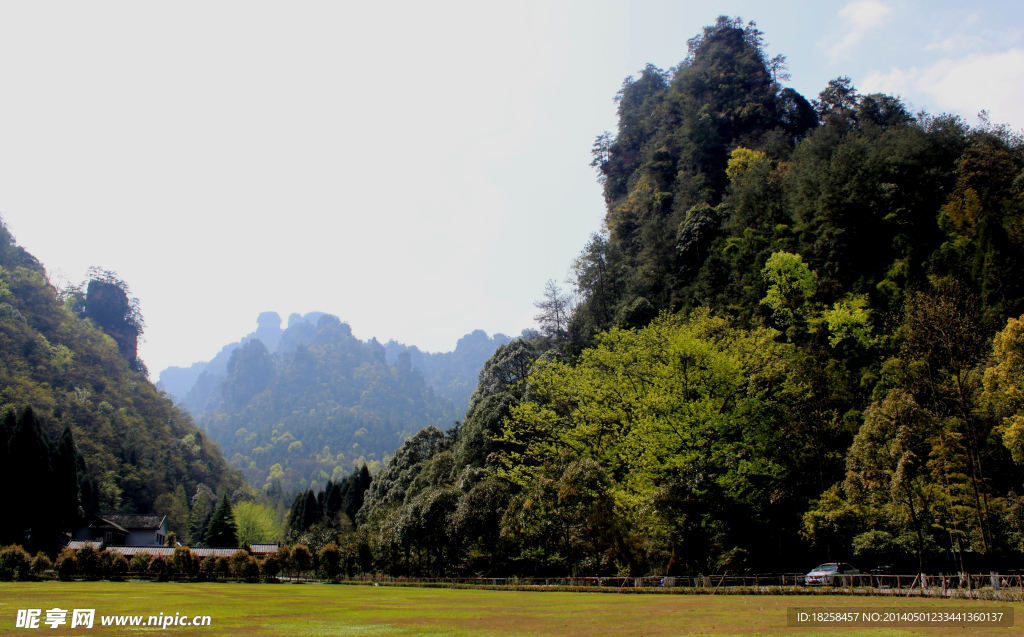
[{"x": 829, "y": 574}]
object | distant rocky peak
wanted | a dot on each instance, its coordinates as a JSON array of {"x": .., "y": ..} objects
[
  {"x": 108, "y": 306},
  {"x": 268, "y": 329}
]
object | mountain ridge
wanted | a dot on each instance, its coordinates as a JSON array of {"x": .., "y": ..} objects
[{"x": 452, "y": 374}]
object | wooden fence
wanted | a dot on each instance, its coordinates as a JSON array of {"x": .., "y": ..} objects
[{"x": 962, "y": 585}]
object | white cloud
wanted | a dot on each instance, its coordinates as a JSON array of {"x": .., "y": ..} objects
[
  {"x": 858, "y": 17},
  {"x": 964, "y": 86},
  {"x": 972, "y": 35}
]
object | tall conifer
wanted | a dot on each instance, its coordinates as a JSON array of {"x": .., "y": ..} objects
[
  {"x": 310, "y": 512},
  {"x": 7, "y": 424},
  {"x": 30, "y": 465},
  {"x": 65, "y": 477},
  {"x": 223, "y": 531},
  {"x": 295, "y": 515},
  {"x": 360, "y": 483}
]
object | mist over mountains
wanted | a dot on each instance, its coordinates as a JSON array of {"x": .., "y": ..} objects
[
  {"x": 308, "y": 403},
  {"x": 454, "y": 374}
]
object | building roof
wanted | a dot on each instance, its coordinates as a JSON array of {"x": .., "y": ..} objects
[
  {"x": 77, "y": 545},
  {"x": 132, "y": 522},
  {"x": 100, "y": 523},
  {"x": 263, "y": 549},
  {"x": 166, "y": 551},
  {"x": 206, "y": 552},
  {"x": 129, "y": 551}
]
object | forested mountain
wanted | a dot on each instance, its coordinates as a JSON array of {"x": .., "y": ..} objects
[
  {"x": 454, "y": 374},
  {"x": 323, "y": 405},
  {"x": 84, "y": 430},
  {"x": 203, "y": 377},
  {"x": 797, "y": 340}
]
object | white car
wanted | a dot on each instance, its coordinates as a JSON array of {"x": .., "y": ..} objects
[{"x": 829, "y": 574}]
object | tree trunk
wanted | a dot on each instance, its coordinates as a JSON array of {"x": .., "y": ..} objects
[{"x": 627, "y": 555}]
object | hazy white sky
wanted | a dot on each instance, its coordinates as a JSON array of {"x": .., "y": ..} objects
[{"x": 418, "y": 169}]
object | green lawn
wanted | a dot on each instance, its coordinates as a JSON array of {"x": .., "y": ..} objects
[{"x": 364, "y": 611}]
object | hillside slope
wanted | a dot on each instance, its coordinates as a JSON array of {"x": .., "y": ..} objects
[
  {"x": 136, "y": 444},
  {"x": 796, "y": 340}
]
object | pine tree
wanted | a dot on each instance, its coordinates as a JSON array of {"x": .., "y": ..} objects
[
  {"x": 311, "y": 512},
  {"x": 360, "y": 483},
  {"x": 30, "y": 451},
  {"x": 65, "y": 476},
  {"x": 346, "y": 496},
  {"x": 295, "y": 514},
  {"x": 333, "y": 500},
  {"x": 7, "y": 526},
  {"x": 222, "y": 530},
  {"x": 200, "y": 516},
  {"x": 89, "y": 496}
]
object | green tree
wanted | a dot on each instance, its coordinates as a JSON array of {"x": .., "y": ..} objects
[
  {"x": 119, "y": 567},
  {"x": 222, "y": 530},
  {"x": 183, "y": 562},
  {"x": 554, "y": 312},
  {"x": 65, "y": 481},
  {"x": 158, "y": 567},
  {"x": 301, "y": 559},
  {"x": 330, "y": 560},
  {"x": 663, "y": 412},
  {"x": 270, "y": 567},
  {"x": 238, "y": 562},
  {"x": 30, "y": 452},
  {"x": 887, "y": 465},
  {"x": 1003, "y": 390},
  {"x": 793, "y": 286},
  {"x": 14, "y": 562},
  {"x": 140, "y": 562},
  {"x": 41, "y": 563},
  {"x": 256, "y": 524},
  {"x": 67, "y": 564},
  {"x": 284, "y": 557},
  {"x": 204, "y": 503},
  {"x": 175, "y": 507}
]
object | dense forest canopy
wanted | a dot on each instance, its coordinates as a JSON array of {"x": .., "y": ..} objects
[{"x": 796, "y": 338}]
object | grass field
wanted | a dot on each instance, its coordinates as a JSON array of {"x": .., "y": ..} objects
[{"x": 364, "y": 611}]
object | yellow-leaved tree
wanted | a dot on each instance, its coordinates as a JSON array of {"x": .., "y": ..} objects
[{"x": 1003, "y": 391}]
